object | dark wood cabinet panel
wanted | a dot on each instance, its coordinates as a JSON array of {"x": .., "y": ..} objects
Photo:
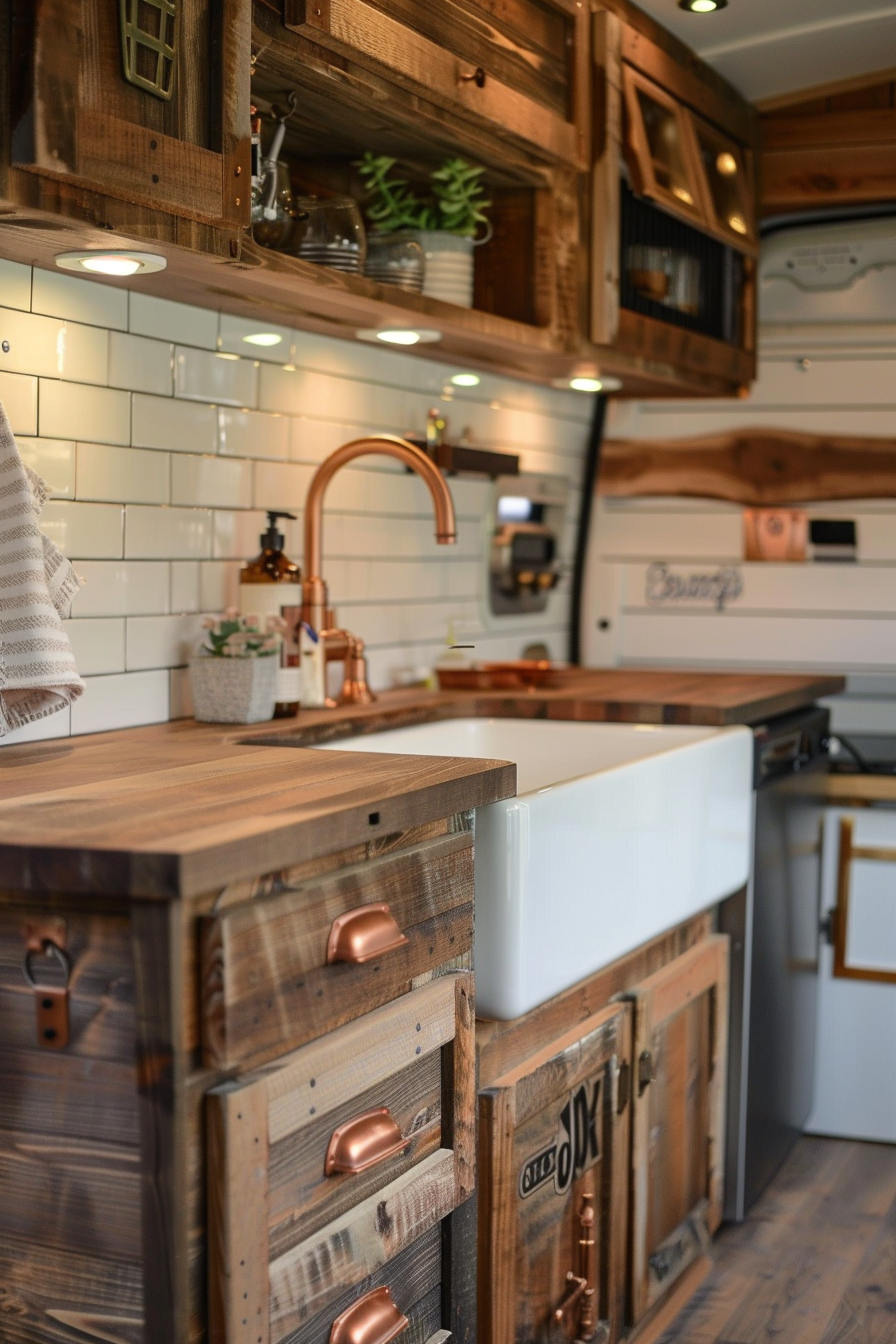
[{"x": 77, "y": 117}]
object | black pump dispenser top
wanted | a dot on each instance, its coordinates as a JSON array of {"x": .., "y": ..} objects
[{"x": 272, "y": 540}]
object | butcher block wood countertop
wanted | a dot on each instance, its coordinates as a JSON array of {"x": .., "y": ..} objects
[{"x": 172, "y": 810}]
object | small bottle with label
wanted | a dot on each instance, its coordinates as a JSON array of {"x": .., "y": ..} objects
[{"x": 269, "y": 583}]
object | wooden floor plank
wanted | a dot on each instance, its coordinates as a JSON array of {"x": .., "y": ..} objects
[{"x": 815, "y": 1262}]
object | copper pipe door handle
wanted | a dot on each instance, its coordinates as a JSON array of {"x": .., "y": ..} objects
[
  {"x": 363, "y": 1142},
  {"x": 361, "y": 934},
  {"x": 373, "y": 1319}
]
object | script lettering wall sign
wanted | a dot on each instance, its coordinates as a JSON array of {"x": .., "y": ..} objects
[{"x": 718, "y": 587}]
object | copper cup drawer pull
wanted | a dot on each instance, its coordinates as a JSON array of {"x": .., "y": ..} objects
[
  {"x": 361, "y": 934},
  {"x": 373, "y": 1319},
  {"x": 363, "y": 1142}
]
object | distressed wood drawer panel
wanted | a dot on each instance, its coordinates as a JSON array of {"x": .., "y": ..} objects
[
  {"x": 267, "y": 987},
  {"x": 286, "y": 1242}
]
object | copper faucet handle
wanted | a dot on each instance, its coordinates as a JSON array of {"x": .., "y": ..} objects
[{"x": 355, "y": 690}]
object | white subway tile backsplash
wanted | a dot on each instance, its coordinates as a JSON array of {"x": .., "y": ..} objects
[
  {"x": 54, "y": 462},
  {"x": 19, "y": 397},
  {"x": 282, "y": 390},
  {"x": 98, "y": 645},
  {"x": 75, "y": 411},
  {"x": 215, "y": 481},
  {"x": 202, "y": 376},
  {"x": 84, "y": 531},
  {"x": 15, "y": 287},
  {"x": 168, "y": 321},
  {"x": 99, "y": 305},
  {"x": 123, "y": 588},
  {"x": 141, "y": 365},
  {"x": 218, "y": 584},
  {"x": 280, "y": 485},
  {"x": 167, "y": 533},
  {"x": 137, "y": 475},
  {"x": 236, "y": 534},
  {"x": 124, "y": 701},
  {"x": 232, "y": 333},
  {"x": 185, "y": 586},
  {"x": 161, "y": 641},
  {"x": 312, "y": 440},
  {"x": 179, "y": 426},
  {"x": 53, "y": 348},
  {"x": 252, "y": 434}
]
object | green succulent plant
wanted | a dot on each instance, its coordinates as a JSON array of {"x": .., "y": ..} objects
[{"x": 456, "y": 204}]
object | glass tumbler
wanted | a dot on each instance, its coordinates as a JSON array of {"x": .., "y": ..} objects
[{"x": 329, "y": 232}]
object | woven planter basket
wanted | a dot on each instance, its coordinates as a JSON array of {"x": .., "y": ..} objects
[{"x": 234, "y": 690}]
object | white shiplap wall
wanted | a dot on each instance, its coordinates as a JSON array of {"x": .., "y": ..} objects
[
  {"x": 838, "y": 617},
  {"x": 164, "y": 441}
]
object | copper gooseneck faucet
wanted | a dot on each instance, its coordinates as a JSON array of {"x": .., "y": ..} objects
[{"x": 340, "y": 645}]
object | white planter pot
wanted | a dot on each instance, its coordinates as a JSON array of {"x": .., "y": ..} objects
[
  {"x": 234, "y": 690},
  {"x": 448, "y": 266}
]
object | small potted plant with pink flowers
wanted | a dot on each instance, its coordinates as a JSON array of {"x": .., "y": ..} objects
[{"x": 234, "y": 671}]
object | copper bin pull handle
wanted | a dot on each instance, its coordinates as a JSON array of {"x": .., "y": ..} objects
[
  {"x": 361, "y": 934},
  {"x": 363, "y": 1142},
  {"x": 373, "y": 1319}
]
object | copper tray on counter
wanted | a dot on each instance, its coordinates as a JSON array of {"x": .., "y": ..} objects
[{"x": 521, "y": 673}]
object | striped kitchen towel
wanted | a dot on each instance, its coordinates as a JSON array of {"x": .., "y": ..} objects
[{"x": 37, "y": 584}]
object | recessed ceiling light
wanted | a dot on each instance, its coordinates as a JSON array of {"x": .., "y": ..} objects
[
  {"x": 466, "y": 380},
  {"x": 117, "y": 263},
  {"x": 400, "y": 335},
  {"x": 702, "y": 6},
  {"x": 263, "y": 338}
]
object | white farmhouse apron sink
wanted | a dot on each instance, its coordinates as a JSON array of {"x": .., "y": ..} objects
[{"x": 618, "y": 832}]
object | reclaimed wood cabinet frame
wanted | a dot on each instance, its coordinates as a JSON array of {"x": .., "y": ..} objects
[
  {"x": 65, "y": 129},
  {"x": 694, "y": 208},
  {"x": 844, "y": 968},
  {"x": 354, "y": 28},
  {"x": 544, "y": 1093},
  {"x": 682, "y": 986},
  {"x": 254, "y": 1296},
  {"x": 619, "y": 56}
]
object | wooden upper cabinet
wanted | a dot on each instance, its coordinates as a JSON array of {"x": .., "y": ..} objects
[
  {"x": 143, "y": 100},
  {"x": 518, "y": 66},
  {"x": 686, "y": 164}
]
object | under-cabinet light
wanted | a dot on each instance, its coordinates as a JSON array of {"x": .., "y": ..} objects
[
  {"x": 117, "y": 263},
  {"x": 588, "y": 382},
  {"x": 263, "y": 338},
  {"x": 466, "y": 380},
  {"x": 400, "y": 335},
  {"x": 702, "y": 6},
  {"x": 225, "y": 354}
]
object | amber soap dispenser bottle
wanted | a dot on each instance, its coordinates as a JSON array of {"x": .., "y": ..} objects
[{"x": 269, "y": 583}]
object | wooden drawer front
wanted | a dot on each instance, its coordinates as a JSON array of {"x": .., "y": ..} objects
[
  {"x": 681, "y": 1023},
  {"x": 521, "y": 66},
  {"x": 554, "y": 1146},
  {"x": 288, "y": 1242},
  {"x": 267, "y": 987}
]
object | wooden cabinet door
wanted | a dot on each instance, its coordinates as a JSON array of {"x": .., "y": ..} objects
[
  {"x": 553, "y": 1161},
  {"x": 519, "y": 65},
  {"x": 678, "y": 1087},
  {"x": 147, "y": 102}
]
